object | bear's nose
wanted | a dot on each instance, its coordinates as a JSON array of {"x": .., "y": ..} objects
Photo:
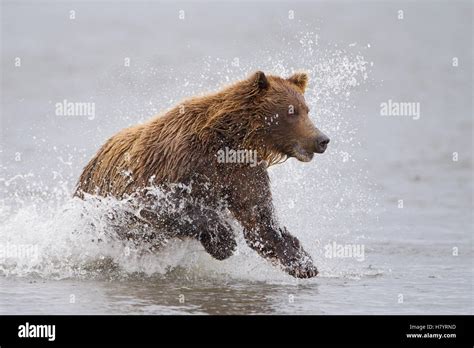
[{"x": 322, "y": 142}]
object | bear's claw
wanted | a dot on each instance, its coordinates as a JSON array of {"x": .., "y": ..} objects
[{"x": 299, "y": 272}]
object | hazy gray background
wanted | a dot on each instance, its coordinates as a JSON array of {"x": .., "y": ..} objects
[{"x": 358, "y": 54}]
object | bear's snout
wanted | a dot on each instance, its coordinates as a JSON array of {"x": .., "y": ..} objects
[{"x": 321, "y": 143}]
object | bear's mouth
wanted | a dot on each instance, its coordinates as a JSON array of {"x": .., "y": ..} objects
[{"x": 301, "y": 154}]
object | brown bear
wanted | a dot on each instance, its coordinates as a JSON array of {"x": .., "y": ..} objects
[{"x": 180, "y": 152}]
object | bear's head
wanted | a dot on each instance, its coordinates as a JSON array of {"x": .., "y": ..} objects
[
  {"x": 263, "y": 113},
  {"x": 286, "y": 128}
]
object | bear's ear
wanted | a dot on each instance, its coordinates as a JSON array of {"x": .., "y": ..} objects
[
  {"x": 259, "y": 80},
  {"x": 300, "y": 80}
]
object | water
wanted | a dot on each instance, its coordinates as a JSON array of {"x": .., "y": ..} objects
[{"x": 417, "y": 259}]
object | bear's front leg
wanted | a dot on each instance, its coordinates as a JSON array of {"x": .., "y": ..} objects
[
  {"x": 218, "y": 239},
  {"x": 251, "y": 204},
  {"x": 280, "y": 247},
  {"x": 194, "y": 221},
  {"x": 298, "y": 263},
  {"x": 215, "y": 234}
]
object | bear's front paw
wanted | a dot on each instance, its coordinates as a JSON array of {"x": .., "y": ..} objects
[
  {"x": 219, "y": 241},
  {"x": 303, "y": 271},
  {"x": 295, "y": 260}
]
